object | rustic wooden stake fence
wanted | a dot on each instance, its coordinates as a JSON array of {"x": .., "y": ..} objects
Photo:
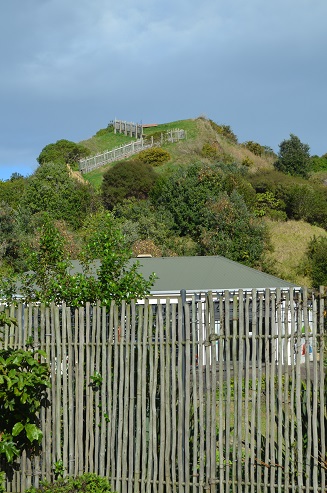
[
  {"x": 212, "y": 394},
  {"x": 101, "y": 159}
]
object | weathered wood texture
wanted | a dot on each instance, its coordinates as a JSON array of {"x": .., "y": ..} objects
[
  {"x": 93, "y": 162},
  {"x": 223, "y": 393}
]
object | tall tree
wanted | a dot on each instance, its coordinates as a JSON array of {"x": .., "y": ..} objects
[{"x": 293, "y": 157}]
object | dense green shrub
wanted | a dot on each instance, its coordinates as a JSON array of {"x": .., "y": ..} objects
[
  {"x": 318, "y": 163},
  {"x": 293, "y": 157},
  {"x": 52, "y": 189},
  {"x": 299, "y": 199},
  {"x": 63, "y": 150},
  {"x": 11, "y": 191},
  {"x": 185, "y": 194},
  {"x": 233, "y": 231},
  {"x": 87, "y": 483},
  {"x": 154, "y": 156},
  {"x": 127, "y": 179},
  {"x": 316, "y": 261}
]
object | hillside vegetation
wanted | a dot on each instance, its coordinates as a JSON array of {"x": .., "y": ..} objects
[{"x": 205, "y": 195}]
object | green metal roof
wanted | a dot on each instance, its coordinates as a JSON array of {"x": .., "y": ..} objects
[
  {"x": 200, "y": 274},
  {"x": 212, "y": 273}
]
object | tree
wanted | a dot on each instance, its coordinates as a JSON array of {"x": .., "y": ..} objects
[
  {"x": 51, "y": 278},
  {"x": 117, "y": 278},
  {"x": 233, "y": 231},
  {"x": 185, "y": 195},
  {"x": 125, "y": 180},
  {"x": 11, "y": 191},
  {"x": 293, "y": 157},
  {"x": 316, "y": 261},
  {"x": 63, "y": 150},
  {"x": 52, "y": 189}
]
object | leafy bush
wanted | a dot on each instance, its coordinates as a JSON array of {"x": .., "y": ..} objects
[
  {"x": 154, "y": 156},
  {"x": 105, "y": 131},
  {"x": 254, "y": 147},
  {"x": 87, "y": 483},
  {"x": 52, "y": 189},
  {"x": 24, "y": 380},
  {"x": 318, "y": 163},
  {"x": 316, "y": 261},
  {"x": 299, "y": 198},
  {"x": 209, "y": 151},
  {"x": 127, "y": 179},
  {"x": 247, "y": 162},
  {"x": 225, "y": 131},
  {"x": 51, "y": 278},
  {"x": 63, "y": 150}
]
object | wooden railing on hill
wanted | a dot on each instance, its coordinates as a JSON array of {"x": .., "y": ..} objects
[
  {"x": 223, "y": 392},
  {"x": 128, "y": 128},
  {"x": 93, "y": 162}
]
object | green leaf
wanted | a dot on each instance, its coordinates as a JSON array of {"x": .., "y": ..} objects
[
  {"x": 18, "y": 427},
  {"x": 8, "y": 448},
  {"x": 33, "y": 432}
]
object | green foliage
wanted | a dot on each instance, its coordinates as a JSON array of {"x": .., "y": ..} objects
[
  {"x": 210, "y": 151},
  {"x": 52, "y": 189},
  {"x": 247, "y": 162},
  {"x": 125, "y": 180},
  {"x": 316, "y": 261},
  {"x": 206, "y": 205},
  {"x": 140, "y": 220},
  {"x": 64, "y": 151},
  {"x": 11, "y": 191},
  {"x": 51, "y": 278},
  {"x": 117, "y": 279},
  {"x": 185, "y": 194},
  {"x": 225, "y": 131},
  {"x": 86, "y": 483},
  {"x": 9, "y": 240},
  {"x": 266, "y": 204},
  {"x": 47, "y": 275},
  {"x": 318, "y": 163},
  {"x": 155, "y": 156},
  {"x": 298, "y": 198},
  {"x": 24, "y": 380},
  {"x": 254, "y": 147},
  {"x": 293, "y": 157},
  {"x": 236, "y": 181},
  {"x": 58, "y": 469},
  {"x": 233, "y": 231},
  {"x": 105, "y": 131}
]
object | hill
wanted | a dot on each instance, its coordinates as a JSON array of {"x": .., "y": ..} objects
[{"x": 208, "y": 142}]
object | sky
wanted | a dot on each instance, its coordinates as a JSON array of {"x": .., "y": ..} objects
[{"x": 70, "y": 67}]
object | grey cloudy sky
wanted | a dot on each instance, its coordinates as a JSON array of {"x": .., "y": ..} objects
[{"x": 69, "y": 67}]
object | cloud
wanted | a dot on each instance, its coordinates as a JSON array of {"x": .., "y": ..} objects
[{"x": 70, "y": 67}]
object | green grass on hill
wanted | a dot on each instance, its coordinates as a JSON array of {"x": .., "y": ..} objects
[
  {"x": 109, "y": 140},
  {"x": 289, "y": 242}
]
